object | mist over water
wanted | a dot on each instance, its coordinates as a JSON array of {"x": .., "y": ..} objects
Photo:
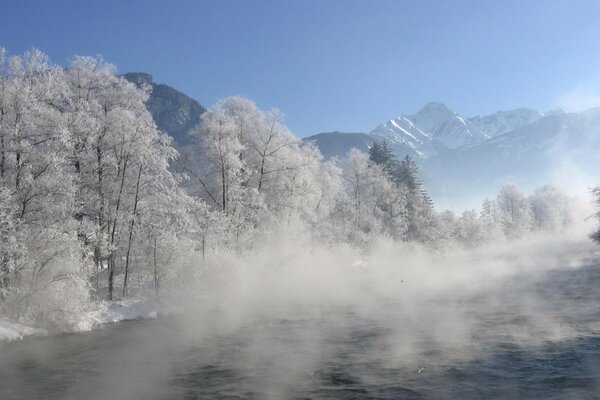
[{"x": 295, "y": 319}]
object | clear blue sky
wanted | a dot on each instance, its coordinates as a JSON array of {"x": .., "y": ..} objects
[{"x": 333, "y": 65}]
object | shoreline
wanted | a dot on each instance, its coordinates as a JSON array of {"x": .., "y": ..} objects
[{"x": 105, "y": 313}]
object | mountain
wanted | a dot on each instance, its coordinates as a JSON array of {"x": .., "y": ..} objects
[
  {"x": 562, "y": 148},
  {"x": 465, "y": 159},
  {"x": 174, "y": 112},
  {"x": 340, "y": 143},
  {"x": 445, "y": 126},
  {"x": 433, "y": 131},
  {"x": 435, "y": 128},
  {"x": 406, "y": 138},
  {"x": 503, "y": 121}
]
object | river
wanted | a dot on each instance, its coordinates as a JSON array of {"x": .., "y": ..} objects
[{"x": 512, "y": 350}]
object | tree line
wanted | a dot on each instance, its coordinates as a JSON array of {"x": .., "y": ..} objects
[{"x": 96, "y": 203}]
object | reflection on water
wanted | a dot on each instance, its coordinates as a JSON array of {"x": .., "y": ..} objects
[{"x": 527, "y": 339}]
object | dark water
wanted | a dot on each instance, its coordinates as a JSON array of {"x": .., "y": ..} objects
[{"x": 509, "y": 350}]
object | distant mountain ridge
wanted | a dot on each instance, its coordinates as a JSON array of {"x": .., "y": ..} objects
[
  {"x": 462, "y": 159},
  {"x": 435, "y": 128},
  {"x": 333, "y": 144},
  {"x": 174, "y": 112}
]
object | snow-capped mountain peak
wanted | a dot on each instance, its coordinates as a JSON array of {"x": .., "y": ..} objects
[
  {"x": 405, "y": 136},
  {"x": 435, "y": 128},
  {"x": 432, "y": 115},
  {"x": 501, "y": 122}
]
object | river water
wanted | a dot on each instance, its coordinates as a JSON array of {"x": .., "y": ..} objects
[{"x": 504, "y": 346}]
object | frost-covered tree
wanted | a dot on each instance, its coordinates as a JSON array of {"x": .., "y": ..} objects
[
  {"x": 490, "y": 214},
  {"x": 222, "y": 146},
  {"x": 357, "y": 213},
  {"x": 448, "y": 225},
  {"x": 595, "y": 235},
  {"x": 226, "y": 173},
  {"x": 491, "y": 219},
  {"x": 373, "y": 204},
  {"x": 81, "y": 162},
  {"x": 549, "y": 209},
  {"x": 115, "y": 148},
  {"x": 329, "y": 194},
  {"x": 470, "y": 230},
  {"x": 252, "y": 168},
  {"x": 514, "y": 211},
  {"x": 41, "y": 255}
]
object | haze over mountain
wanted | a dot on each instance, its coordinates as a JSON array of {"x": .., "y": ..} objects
[{"x": 559, "y": 148}]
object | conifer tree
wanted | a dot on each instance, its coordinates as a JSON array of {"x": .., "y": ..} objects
[
  {"x": 382, "y": 155},
  {"x": 421, "y": 217}
]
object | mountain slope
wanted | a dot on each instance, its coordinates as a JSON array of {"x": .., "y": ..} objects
[
  {"x": 405, "y": 138},
  {"x": 339, "y": 143},
  {"x": 174, "y": 112},
  {"x": 502, "y": 121}
]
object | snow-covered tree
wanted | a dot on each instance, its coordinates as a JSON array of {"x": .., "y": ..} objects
[
  {"x": 252, "y": 168},
  {"x": 40, "y": 255},
  {"x": 514, "y": 211},
  {"x": 549, "y": 209},
  {"x": 470, "y": 230},
  {"x": 373, "y": 204},
  {"x": 81, "y": 162},
  {"x": 491, "y": 219},
  {"x": 448, "y": 225},
  {"x": 595, "y": 235}
]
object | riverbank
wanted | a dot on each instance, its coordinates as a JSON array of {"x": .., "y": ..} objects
[{"x": 102, "y": 313}]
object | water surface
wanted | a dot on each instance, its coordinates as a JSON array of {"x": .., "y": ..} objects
[{"x": 525, "y": 339}]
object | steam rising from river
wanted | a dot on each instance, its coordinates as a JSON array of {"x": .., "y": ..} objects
[
  {"x": 270, "y": 320},
  {"x": 412, "y": 290}
]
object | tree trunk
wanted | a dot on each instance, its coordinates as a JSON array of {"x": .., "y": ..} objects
[
  {"x": 100, "y": 218},
  {"x": 223, "y": 188},
  {"x": 111, "y": 264},
  {"x": 203, "y": 246},
  {"x": 111, "y": 277},
  {"x": 156, "y": 278},
  {"x": 131, "y": 226},
  {"x": 2, "y": 156}
]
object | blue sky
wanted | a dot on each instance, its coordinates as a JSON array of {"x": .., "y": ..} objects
[{"x": 334, "y": 65}]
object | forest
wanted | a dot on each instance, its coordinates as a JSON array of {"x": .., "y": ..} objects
[{"x": 97, "y": 205}]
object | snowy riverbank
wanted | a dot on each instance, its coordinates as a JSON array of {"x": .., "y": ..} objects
[
  {"x": 103, "y": 313},
  {"x": 10, "y": 331}
]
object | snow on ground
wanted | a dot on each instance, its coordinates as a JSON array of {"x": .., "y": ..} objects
[
  {"x": 124, "y": 310},
  {"x": 103, "y": 313},
  {"x": 14, "y": 331}
]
